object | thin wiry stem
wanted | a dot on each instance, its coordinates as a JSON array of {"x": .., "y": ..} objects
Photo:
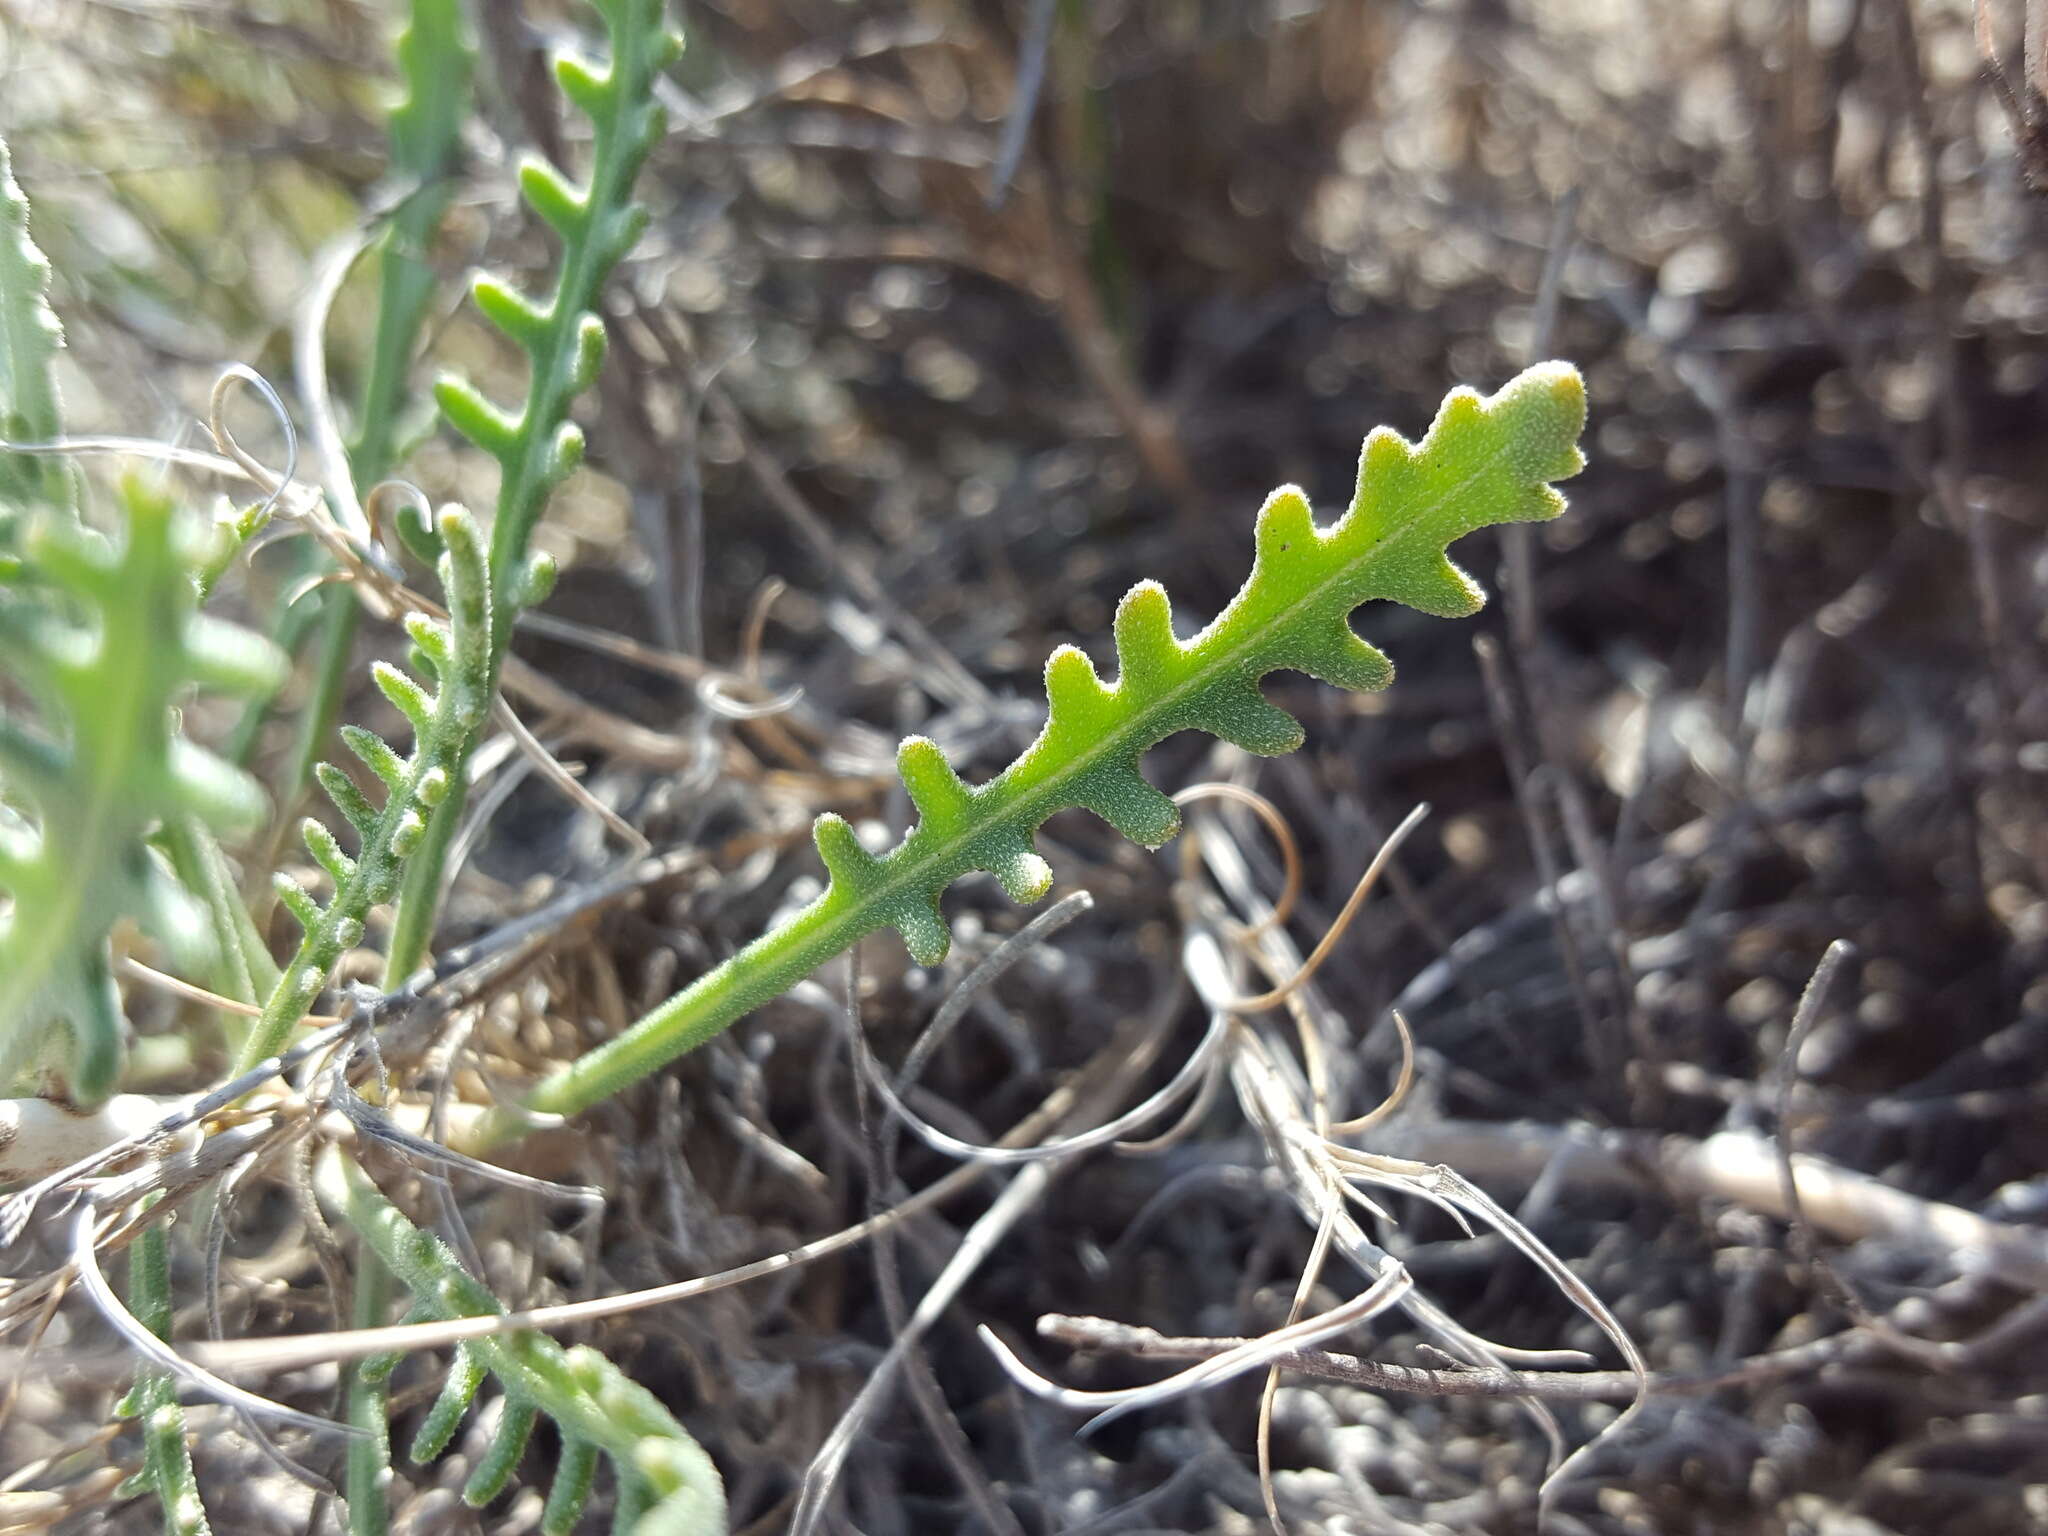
[{"x": 85, "y": 1258}]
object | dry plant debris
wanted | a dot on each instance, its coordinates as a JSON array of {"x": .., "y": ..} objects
[{"x": 957, "y": 321}]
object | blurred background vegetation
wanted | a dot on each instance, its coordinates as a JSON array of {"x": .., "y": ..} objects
[{"x": 956, "y": 317}]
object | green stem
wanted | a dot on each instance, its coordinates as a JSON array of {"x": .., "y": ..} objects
[
  {"x": 757, "y": 975},
  {"x": 245, "y": 971},
  {"x": 367, "y": 1486},
  {"x": 419, "y": 892},
  {"x": 434, "y": 61},
  {"x": 444, "y": 725},
  {"x": 166, "y": 1462},
  {"x": 288, "y": 632}
]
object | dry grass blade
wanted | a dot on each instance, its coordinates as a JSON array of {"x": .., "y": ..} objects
[
  {"x": 276, "y": 484},
  {"x": 1193, "y": 1074},
  {"x": 85, "y": 1240},
  {"x": 1277, "y": 995},
  {"x": 21, "y": 1206},
  {"x": 1385, "y": 1292},
  {"x": 1124, "y": 1056},
  {"x": 372, "y": 1125}
]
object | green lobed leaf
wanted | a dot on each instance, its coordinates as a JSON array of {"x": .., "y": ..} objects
[
  {"x": 29, "y": 341},
  {"x": 661, "y": 1471},
  {"x": 104, "y": 640},
  {"x": 597, "y": 223},
  {"x": 435, "y": 63},
  {"x": 1483, "y": 462},
  {"x": 444, "y": 723},
  {"x": 536, "y": 446}
]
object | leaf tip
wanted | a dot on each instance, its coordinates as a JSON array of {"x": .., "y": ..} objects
[
  {"x": 1546, "y": 409},
  {"x": 924, "y": 930},
  {"x": 850, "y": 865}
]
